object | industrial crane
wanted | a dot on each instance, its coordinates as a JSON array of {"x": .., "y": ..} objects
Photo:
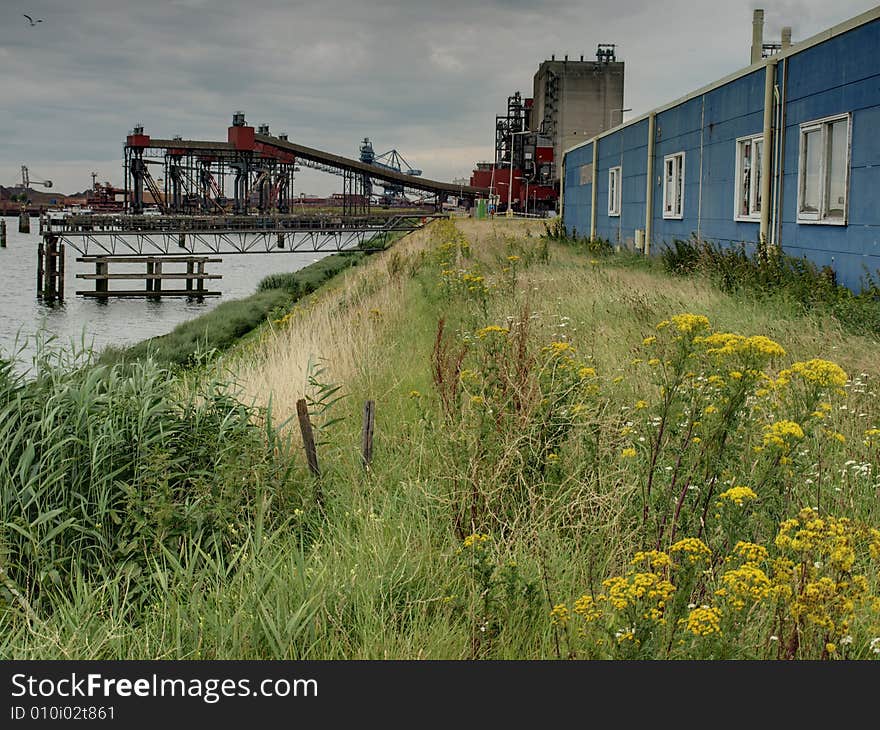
[{"x": 26, "y": 182}]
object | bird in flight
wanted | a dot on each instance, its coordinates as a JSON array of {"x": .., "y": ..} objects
[{"x": 31, "y": 20}]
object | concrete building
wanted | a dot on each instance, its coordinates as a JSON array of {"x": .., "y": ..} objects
[
  {"x": 784, "y": 152},
  {"x": 577, "y": 99}
]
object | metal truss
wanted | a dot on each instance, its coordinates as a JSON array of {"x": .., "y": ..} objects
[{"x": 121, "y": 236}]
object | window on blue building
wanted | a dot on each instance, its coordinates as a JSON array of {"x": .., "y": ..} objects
[
  {"x": 614, "y": 175},
  {"x": 748, "y": 178},
  {"x": 673, "y": 185},
  {"x": 823, "y": 170}
]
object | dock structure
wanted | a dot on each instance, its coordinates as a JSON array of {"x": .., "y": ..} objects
[
  {"x": 152, "y": 240},
  {"x": 50, "y": 268},
  {"x": 153, "y": 277}
]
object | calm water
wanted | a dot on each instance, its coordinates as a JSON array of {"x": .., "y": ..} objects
[{"x": 118, "y": 321}]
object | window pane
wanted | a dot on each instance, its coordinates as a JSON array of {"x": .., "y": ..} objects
[
  {"x": 611, "y": 191},
  {"x": 745, "y": 164},
  {"x": 835, "y": 167},
  {"x": 679, "y": 184},
  {"x": 756, "y": 164},
  {"x": 669, "y": 192},
  {"x": 810, "y": 183}
]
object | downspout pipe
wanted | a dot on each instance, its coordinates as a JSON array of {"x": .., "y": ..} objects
[
  {"x": 649, "y": 187},
  {"x": 561, "y": 192},
  {"x": 767, "y": 155},
  {"x": 593, "y": 191}
]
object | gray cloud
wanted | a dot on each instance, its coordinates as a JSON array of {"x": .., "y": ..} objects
[{"x": 426, "y": 78}]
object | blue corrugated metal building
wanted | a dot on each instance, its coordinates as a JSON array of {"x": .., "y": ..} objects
[{"x": 786, "y": 151}]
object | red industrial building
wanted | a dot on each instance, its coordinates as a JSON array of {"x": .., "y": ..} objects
[{"x": 572, "y": 100}]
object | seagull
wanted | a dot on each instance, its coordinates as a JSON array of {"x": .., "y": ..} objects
[{"x": 31, "y": 20}]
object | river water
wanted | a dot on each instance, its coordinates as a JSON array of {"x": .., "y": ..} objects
[{"x": 95, "y": 324}]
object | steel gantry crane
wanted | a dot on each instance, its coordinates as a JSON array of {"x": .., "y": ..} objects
[{"x": 26, "y": 181}]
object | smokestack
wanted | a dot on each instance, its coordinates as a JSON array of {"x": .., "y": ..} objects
[
  {"x": 786, "y": 37},
  {"x": 757, "y": 35}
]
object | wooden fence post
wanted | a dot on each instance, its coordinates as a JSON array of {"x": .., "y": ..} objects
[
  {"x": 308, "y": 437},
  {"x": 367, "y": 432}
]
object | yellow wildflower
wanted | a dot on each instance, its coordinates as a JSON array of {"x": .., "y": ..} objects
[
  {"x": 492, "y": 328},
  {"x": 704, "y": 620},
  {"x": 690, "y": 323},
  {"x": 475, "y": 539},
  {"x": 693, "y": 549},
  {"x": 737, "y": 495},
  {"x": 559, "y": 615}
]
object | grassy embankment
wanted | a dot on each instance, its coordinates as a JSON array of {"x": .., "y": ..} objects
[
  {"x": 577, "y": 455},
  {"x": 217, "y": 330}
]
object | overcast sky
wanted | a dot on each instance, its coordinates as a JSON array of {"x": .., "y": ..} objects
[{"x": 424, "y": 77}]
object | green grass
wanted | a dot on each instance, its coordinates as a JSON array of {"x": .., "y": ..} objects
[{"x": 478, "y": 520}]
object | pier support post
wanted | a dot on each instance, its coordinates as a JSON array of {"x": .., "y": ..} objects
[
  {"x": 41, "y": 263},
  {"x": 24, "y": 222},
  {"x": 280, "y": 240},
  {"x": 61, "y": 271},
  {"x": 3, "y": 233},
  {"x": 101, "y": 271},
  {"x": 151, "y": 269},
  {"x": 50, "y": 268},
  {"x": 190, "y": 269},
  {"x": 181, "y": 240}
]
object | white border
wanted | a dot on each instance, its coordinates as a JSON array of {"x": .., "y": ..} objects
[
  {"x": 737, "y": 216},
  {"x": 820, "y": 124},
  {"x": 674, "y": 216},
  {"x": 612, "y": 211}
]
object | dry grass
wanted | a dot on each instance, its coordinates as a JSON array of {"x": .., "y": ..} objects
[{"x": 337, "y": 327}]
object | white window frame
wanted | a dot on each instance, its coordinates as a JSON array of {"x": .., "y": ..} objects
[
  {"x": 820, "y": 217},
  {"x": 679, "y": 214},
  {"x": 615, "y": 176},
  {"x": 754, "y": 213}
]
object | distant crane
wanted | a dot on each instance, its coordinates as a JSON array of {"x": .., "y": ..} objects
[
  {"x": 26, "y": 181},
  {"x": 391, "y": 160}
]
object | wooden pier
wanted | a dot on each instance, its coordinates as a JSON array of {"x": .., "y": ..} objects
[
  {"x": 50, "y": 269},
  {"x": 153, "y": 276}
]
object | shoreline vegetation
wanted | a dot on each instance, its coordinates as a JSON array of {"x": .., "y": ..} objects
[{"x": 579, "y": 454}]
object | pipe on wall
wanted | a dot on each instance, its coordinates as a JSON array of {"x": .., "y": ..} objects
[
  {"x": 766, "y": 157},
  {"x": 593, "y": 191},
  {"x": 649, "y": 188},
  {"x": 561, "y": 192}
]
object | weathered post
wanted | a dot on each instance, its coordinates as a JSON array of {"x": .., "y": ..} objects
[
  {"x": 201, "y": 281},
  {"x": 150, "y": 271},
  {"x": 3, "y": 233},
  {"x": 190, "y": 270},
  {"x": 101, "y": 266},
  {"x": 24, "y": 222},
  {"x": 61, "y": 271},
  {"x": 181, "y": 240},
  {"x": 280, "y": 240},
  {"x": 41, "y": 257},
  {"x": 367, "y": 432},
  {"x": 308, "y": 436},
  {"x": 51, "y": 268}
]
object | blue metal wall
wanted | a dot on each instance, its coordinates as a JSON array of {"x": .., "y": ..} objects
[
  {"x": 840, "y": 75},
  {"x": 577, "y": 197}
]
